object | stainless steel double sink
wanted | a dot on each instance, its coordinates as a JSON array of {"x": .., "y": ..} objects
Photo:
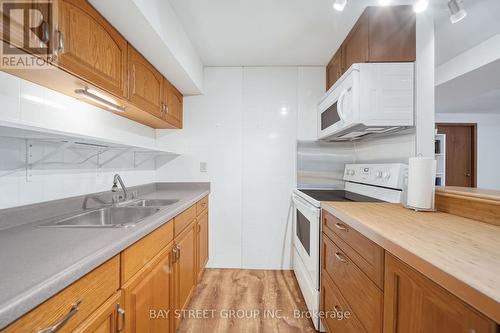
[{"x": 125, "y": 214}]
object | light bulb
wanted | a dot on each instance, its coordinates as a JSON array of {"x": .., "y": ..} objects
[
  {"x": 339, "y": 5},
  {"x": 420, "y": 6}
]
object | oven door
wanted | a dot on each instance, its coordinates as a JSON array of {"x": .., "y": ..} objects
[{"x": 306, "y": 237}]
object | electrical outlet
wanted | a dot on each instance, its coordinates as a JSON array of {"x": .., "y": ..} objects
[{"x": 203, "y": 166}]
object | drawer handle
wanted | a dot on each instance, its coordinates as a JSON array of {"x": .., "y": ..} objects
[
  {"x": 340, "y": 226},
  {"x": 340, "y": 257},
  {"x": 121, "y": 313},
  {"x": 67, "y": 317}
]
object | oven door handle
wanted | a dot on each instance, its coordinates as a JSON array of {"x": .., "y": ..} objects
[{"x": 305, "y": 205}]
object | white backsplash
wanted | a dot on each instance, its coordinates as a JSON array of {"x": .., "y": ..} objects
[{"x": 25, "y": 103}]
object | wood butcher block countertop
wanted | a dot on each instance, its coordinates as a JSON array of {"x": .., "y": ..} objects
[{"x": 460, "y": 254}]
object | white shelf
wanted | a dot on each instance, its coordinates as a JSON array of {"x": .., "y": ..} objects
[{"x": 43, "y": 148}]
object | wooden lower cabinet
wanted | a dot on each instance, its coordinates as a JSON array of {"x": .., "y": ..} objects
[
  {"x": 202, "y": 242},
  {"x": 413, "y": 303},
  {"x": 184, "y": 267},
  {"x": 148, "y": 297},
  {"x": 109, "y": 318}
]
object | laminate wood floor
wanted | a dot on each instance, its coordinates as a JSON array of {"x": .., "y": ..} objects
[{"x": 246, "y": 301}]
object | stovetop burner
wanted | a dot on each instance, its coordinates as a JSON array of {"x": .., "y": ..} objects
[{"x": 337, "y": 195}]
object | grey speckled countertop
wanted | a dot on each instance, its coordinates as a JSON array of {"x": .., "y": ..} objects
[{"x": 37, "y": 262}]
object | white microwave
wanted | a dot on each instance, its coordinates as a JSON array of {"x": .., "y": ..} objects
[{"x": 372, "y": 98}]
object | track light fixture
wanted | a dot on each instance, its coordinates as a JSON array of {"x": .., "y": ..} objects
[
  {"x": 339, "y": 5},
  {"x": 457, "y": 13}
]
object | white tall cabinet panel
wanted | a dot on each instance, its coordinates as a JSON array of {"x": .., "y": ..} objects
[{"x": 269, "y": 155}]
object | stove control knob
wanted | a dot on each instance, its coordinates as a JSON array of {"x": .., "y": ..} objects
[
  {"x": 351, "y": 172},
  {"x": 386, "y": 175},
  {"x": 379, "y": 174}
]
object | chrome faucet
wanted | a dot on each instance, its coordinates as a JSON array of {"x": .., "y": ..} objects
[{"x": 116, "y": 179}]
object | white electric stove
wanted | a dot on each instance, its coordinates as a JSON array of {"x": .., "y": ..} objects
[{"x": 363, "y": 183}]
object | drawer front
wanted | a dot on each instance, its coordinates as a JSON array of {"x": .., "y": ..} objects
[
  {"x": 366, "y": 254},
  {"x": 143, "y": 251},
  {"x": 91, "y": 290},
  {"x": 182, "y": 220},
  {"x": 338, "y": 315},
  {"x": 365, "y": 299},
  {"x": 201, "y": 206}
]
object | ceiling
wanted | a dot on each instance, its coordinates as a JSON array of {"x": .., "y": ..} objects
[
  {"x": 267, "y": 32},
  {"x": 481, "y": 23}
]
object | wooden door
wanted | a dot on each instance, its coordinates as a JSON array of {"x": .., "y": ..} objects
[
  {"x": 460, "y": 154},
  {"x": 334, "y": 69},
  {"x": 413, "y": 303},
  {"x": 173, "y": 103},
  {"x": 355, "y": 46},
  {"x": 185, "y": 267},
  {"x": 145, "y": 84},
  {"x": 90, "y": 48},
  {"x": 202, "y": 237},
  {"x": 150, "y": 292},
  {"x": 109, "y": 318}
]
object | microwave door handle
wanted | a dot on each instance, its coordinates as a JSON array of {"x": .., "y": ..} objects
[{"x": 340, "y": 102}]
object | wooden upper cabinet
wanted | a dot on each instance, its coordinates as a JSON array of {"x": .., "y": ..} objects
[
  {"x": 334, "y": 69},
  {"x": 413, "y": 303},
  {"x": 150, "y": 291},
  {"x": 381, "y": 34},
  {"x": 355, "y": 46},
  {"x": 392, "y": 34},
  {"x": 172, "y": 104},
  {"x": 145, "y": 84},
  {"x": 89, "y": 47}
]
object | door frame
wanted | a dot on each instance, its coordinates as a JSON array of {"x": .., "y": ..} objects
[{"x": 473, "y": 146}]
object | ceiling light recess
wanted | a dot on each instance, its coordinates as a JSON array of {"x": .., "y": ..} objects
[
  {"x": 420, "y": 6},
  {"x": 457, "y": 12},
  {"x": 339, "y": 5}
]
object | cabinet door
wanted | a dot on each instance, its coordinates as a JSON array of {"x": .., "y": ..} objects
[
  {"x": 148, "y": 298},
  {"x": 413, "y": 303},
  {"x": 35, "y": 37},
  {"x": 334, "y": 69},
  {"x": 89, "y": 47},
  {"x": 185, "y": 266},
  {"x": 109, "y": 318},
  {"x": 173, "y": 103},
  {"x": 202, "y": 238},
  {"x": 145, "y": 84},
  {"x": 355, "y": 46}
]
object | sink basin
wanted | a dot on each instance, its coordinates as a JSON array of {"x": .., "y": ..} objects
[
  {"x": 105, "y": 217},
  {"x": 152, "y": 202}
]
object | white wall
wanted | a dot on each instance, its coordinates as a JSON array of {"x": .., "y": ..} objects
[
  {"x": 24, "y": 103},
  {"x": 488, "y": 139},
  {"x": 245, "y": 128}
]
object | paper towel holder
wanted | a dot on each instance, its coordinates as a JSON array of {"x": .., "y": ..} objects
[{"x": 404, "y": 200}]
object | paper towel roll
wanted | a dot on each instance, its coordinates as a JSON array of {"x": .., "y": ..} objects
[{"x": 421, "y": 183}]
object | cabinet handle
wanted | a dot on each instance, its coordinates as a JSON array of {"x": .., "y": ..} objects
[
  {"x": 121, "y": 313},
  {"x": 174, "y": 255},
  {"x": 72, "y": 311},
  {"x": 45, "y": 32},
  {"x": 340, "y": 257},
  {"x": 60, "y": 42},
  {"x": 337, "y": 308},
  {"x": 340, "y": 226}
]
